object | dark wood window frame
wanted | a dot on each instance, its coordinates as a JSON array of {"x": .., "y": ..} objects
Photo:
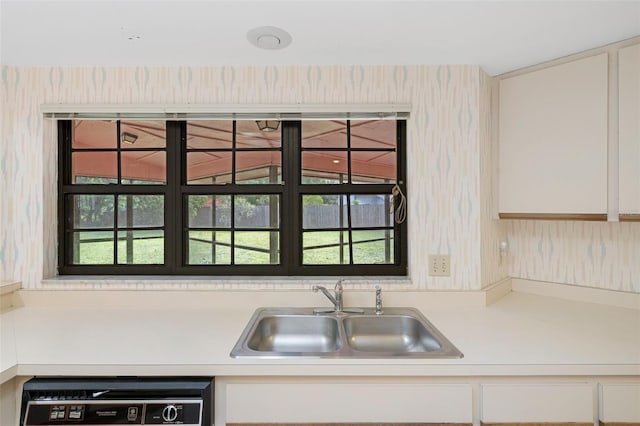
[{"x": 176, "y": 191}]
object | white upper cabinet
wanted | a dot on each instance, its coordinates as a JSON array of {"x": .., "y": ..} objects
[
  {"x": 629, "y": 128},
  {"x": 553, "y": 140}
]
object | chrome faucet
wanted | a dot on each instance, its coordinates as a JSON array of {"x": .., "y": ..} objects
[
  {"x": 378, "y": 300},
  {"x": 337, "y": 301}
]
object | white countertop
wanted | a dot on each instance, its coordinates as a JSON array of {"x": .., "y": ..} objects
[{"x": 521, "y": 334}]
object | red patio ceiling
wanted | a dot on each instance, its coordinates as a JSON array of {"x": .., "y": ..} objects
[{"x": 151, "y": 165}]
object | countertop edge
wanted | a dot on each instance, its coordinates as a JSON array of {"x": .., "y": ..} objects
[
  {"x": 341, "y": 370},
  {"x": 8, "y": 374}
]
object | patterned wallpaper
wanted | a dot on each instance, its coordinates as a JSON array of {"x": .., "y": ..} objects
[
  {"x": 6, "y": 173},
  {"x": 592, "y": 254},
  {"x": 448, "y": 148},
  {"x": 451, "y": 158}
]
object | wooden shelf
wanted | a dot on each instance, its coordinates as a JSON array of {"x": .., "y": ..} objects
[{"x": 594, "y": 217}]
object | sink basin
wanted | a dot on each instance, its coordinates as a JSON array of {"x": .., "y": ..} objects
[
  {"x": 303, "y": 332},
  {"x": 397, "y": 334},
  {"x": 295, "y": 333}
]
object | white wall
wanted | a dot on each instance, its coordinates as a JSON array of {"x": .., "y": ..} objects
[{"x": 444, "y": 145}]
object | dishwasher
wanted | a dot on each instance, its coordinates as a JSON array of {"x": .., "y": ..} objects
[{"x": 186, "y": 401}]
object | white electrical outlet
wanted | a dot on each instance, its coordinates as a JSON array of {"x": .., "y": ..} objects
[{"x": 439, "y": 265}]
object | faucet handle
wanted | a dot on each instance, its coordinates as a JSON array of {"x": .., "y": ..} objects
[
  {"x": 378, "y": 299},
  {"x": 339, "y": 288}
]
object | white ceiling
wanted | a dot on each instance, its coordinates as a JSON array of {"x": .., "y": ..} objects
[{"x": 500, "y": 36}]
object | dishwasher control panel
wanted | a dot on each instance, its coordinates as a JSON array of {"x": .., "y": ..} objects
[
  {"x": 98, "y": 401},
  {"x": 133, "y": 412}
]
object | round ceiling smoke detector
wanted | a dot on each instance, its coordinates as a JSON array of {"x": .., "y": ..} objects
[{"x": 270, "y": 38}]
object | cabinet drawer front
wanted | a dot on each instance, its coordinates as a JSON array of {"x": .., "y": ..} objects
[
  {"x": 620, "y": 403},
  {"x": 543, "y": 403},
  {"x": 340, "y": 402}
]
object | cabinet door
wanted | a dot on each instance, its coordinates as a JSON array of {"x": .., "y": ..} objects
[
  {"x": 629, "y": 129},
  {"x": 620, "y": 403},
  {"x": 9, "y": 402},
  {"x": 553, "y": 140},
  {"x": 538, "y": 403},
  {"x": 322, "y": 402}
]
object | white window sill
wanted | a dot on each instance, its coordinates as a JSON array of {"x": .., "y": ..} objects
[{"x": 168, "y": 282}]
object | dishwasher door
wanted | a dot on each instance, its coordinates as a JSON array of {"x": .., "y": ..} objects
[{"x": 111, "y": 401}]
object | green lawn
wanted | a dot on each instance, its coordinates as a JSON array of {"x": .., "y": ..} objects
[{"x": 148, "y": 248}]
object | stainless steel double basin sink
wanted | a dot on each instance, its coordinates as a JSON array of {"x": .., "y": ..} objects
[{"x": 303, "y": 332}]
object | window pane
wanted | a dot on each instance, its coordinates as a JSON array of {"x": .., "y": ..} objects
[
  {"x": 140, "y": 211},
  {"x": 257, "y": 248},
  {"x": 209, "y": 247},
  {"x": 263, "y": 176},
  {"x": 93, "y": 248},
  {"x": 94, "y": 167},
  {"x": 144, "y": 167},
  {"x": 143, "y": 134},
  {"x": 248, "y": 135},
  {"x": 257, "y": 167},
  {"x": 325, "y": 248},
  {"x": 324, "y": 134},
  {"x": 208, "y": 168},
  {"x": 92, "y": 211},
  {"x": 324, "y": 167},
  {"x": 209, "y": 211},
  {"x": 94, "y": 134},
  {"x": 373, "y": 134},
  {"x": 323, "y": 211},
  {"x": 373, "y": 247},
  {"x": 141, "y": 247},
  {"x": 371, "y": 210},
  {"x": 209, "y": 134},
  {"x": 373, "y": 167},
  {"x": 257, "y": 211}
]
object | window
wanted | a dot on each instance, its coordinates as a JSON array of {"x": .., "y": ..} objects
[{"x": 222, "y": 197}]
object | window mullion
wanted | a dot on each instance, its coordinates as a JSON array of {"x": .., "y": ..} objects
[
  {"x": 116, "y": 200},
  {"x": 348, "y": 193},
  {"x": 400, "y": 229},
  {"x": 291, "y": 227},
  {"x": 349, "y": 171},
  {"x": 174, "y": 202},
  {"x": 232, "y": 236},
  {"x": 64, "y": 179}
]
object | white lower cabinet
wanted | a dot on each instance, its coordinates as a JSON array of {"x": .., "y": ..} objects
[
  {"x": 538, "y": 403},
  {"x": 326, "y": 400},
  {"x": 619, "y": 403},
  {"x": 9, "y": 407},
  {"x": 312, "y": 401}
]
